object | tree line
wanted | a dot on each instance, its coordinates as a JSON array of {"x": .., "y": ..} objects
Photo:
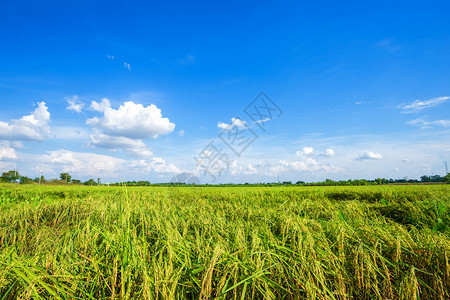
[{"x": 13, "y": 176}]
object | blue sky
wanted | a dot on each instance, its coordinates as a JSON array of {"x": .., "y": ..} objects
[{"x": 139, "y": 90}]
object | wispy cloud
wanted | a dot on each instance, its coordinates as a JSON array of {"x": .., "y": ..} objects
[
  {"x": 74, "y": 104},
  {"x": 369, "y": 155},
  {"x": 111, "y": 57},
  {"x": 189, "y": 59},
  {"x": 429, "y": 124},
  {"x": 127, "y": 66},
  {"x": 419, "y": 105},
  {"x": 389, "y": 44},
  {"x": 234, "y": 122}
]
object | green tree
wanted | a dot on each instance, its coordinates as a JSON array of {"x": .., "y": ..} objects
[
  {"x": 89, "y": 182},
  {"x": 10, "y": 176},
  {"x": 25, "y": 180},
  {"x": 447, "y": 178},
  {"x": 65, "y": 177}
]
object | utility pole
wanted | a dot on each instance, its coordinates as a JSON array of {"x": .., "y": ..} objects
[
  {"x": 446, "y": 168},
  {"x": 40, "y": 173}
]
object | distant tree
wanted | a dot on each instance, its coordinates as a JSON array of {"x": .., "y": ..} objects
[
  {"x": 446, "y": 178},
  {"x": 89, "y": 182},
  {"x": 65, "y": 177},
  {"x": 10, "y": 176},
  {"x": 76, "y": 181},
  {"x": 433, "y": 178},
  {"x": 25, "y": 180}
]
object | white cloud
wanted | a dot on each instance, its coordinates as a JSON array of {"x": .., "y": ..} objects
[
  {"x": 82, "y": 164},
  {"x": 101, "y": 140},
  {"x": 102, "y": 106},
  {"x": 111, "y": 57},
  {"x": 156, "y": 164},
  {"x": 250, "y": 170},
  {"x": 222, "y": 125},
  {"x": 131, "y": 120},
  {"x": 74, "y": 104},
  {"x": 406, "y": 160},
  {"x": 31, "y": 127},
  {"x": 134, "y": 147},
  {"x": 234, "y": 122},
  {"x": 305, "y": 151},
  {"x": 125, "y": 127},
  {"x": 7, "y": 153},
  {"x": 329, "y": 152},
  {"x": 127, "y": 66},
  {"x": 419, "y": 105},
  {"x": 429, "y": 124},
  {"x": 368, "y": 155},
  {"x": 181, "y": 132},
  {"x": 309, "y": 164},
  {"x": 92, "y": 165}
]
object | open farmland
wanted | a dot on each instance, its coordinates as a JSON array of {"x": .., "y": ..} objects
[{"x": 374, "y": 242}]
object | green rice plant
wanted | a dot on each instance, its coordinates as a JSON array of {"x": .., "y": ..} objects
[{"x": 224, "y": 243}]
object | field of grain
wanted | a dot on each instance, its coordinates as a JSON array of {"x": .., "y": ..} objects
[{"x": 374, "y": 242}]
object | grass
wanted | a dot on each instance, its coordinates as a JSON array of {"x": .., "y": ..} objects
[{"x": 376, "y": 242}]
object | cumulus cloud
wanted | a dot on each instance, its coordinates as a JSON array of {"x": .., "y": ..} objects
[
  {"x": 234, "y": 122},
  {"x": 125, "y": 128},
  {"x": 7, "y": 153},
  {"x": 250, "y": 170},
  {"x": 429, "y": 124},
  {"x": 101, "y": 140},
  {"x": 156, "y": 164},
  {"x": 82, "y": 164},
  {"x": 74, "y": 104},
  {"x": 419, "y": 105},
  {"x": 274, "y": 168},
  {"x": 85, "y": 165},
  {"x": 329, "y": 152},
  {"x": 33, "y": 127},
  {"x": 131, "y": 120},
  {"x": 305, "y": 151},
  {"x": 100, "y": 106},
  {"x": 309, "y": 164},
  {"x": 369, "y": 155}
]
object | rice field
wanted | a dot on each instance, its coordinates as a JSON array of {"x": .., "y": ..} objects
[{"x": 368, "y": 242}]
